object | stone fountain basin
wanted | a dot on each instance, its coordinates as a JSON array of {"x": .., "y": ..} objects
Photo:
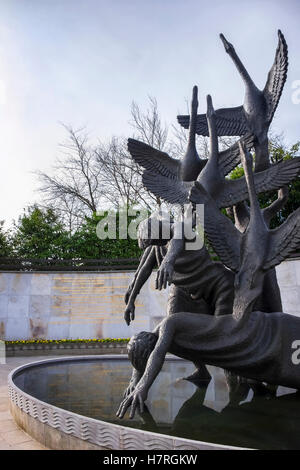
[{"x": 70, "y": 403}]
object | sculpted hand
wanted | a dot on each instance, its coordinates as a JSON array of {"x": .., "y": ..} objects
[
  {"x": 136, "y": 377},
  {"x": 129, "y": 389},
  {"x": 164, "y": 275},
  {"x": 129, "y": 313},
  {"x": 136, "y": 400}
]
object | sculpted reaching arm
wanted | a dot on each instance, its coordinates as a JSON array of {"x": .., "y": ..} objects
[
  {"x": 144, "y": 271},
  {"x": 141, "y": 264},
  {"x": 175, "y": 247},
  {"x": 154, "y": 364}
]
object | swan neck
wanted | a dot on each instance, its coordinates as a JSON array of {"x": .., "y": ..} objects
[
  {"x": 192, "y": 130},
  {"x": 254, "y": 204},
  {"x": 241, "y": 68},
  {"x": 213, "y": 136}
]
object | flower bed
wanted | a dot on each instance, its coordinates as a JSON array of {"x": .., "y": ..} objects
[{"x": 66, "y": 346}]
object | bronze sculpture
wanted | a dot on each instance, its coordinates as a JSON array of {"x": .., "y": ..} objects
[
  {"x": 250, "y": 343},
  {"x": 171, "y": 188},
  {"x": 252, "y": 253},
  {"x": 250, "y": 339},
  {"x": 163, "y": 172},
  {"x": 257, "y": 112}
]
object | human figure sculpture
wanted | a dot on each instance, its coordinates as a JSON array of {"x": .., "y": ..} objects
[
  {"x": 199, "y": 284},
  {"x": 166, "y": 185},
  {"x": 253, "y": 344},
  {"x": 159, "y": 178},
  {"x": 253, "y": 340},
  {"x": 188, "y": 269}
]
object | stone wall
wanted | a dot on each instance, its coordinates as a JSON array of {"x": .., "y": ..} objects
[
  {"x": 73, "y": 305},
  {"x": 90, "y": 305},
  {"x": 288, "y": 275}
]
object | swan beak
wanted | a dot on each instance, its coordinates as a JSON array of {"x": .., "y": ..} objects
[
  {"x": 227, "y": 44},
  {"x": 210, "y": 109},
  {"x": 195, "y": 99}
]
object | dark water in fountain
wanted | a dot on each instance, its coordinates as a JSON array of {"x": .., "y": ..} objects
[{"x": 178, "y": 407}]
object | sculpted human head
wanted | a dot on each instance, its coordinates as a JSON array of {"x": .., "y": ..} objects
[{"x": 155, "y": 230}]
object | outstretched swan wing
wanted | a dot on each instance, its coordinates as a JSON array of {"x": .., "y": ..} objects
[
  {"x": 229, "y": 122},
  {"x": 173, "y": 191},
  {"x": 284, "y": 240},
  {"x": 230, "y": 158},
  {"x": 219, "y": 229},
  {"x": 277, "y": 77},
  {"x": 154, "y": 160},
  {"x": 275, "y": 177}
]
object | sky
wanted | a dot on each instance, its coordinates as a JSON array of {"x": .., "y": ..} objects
[{"x": 82, "y": 62}]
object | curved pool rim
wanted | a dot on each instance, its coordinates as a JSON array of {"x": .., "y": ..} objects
[{"x": 60, "y": 429}]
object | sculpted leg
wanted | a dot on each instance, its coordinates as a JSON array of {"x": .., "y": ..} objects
[{"x": 179, "y": 300}]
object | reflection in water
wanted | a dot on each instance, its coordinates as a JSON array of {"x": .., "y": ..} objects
[{"x": 178, "y": 407}]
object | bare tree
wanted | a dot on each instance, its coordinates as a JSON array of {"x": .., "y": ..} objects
[
  {"x": 121, "y": 176},
  {"x": 148, "y": 126},
  {"x": 89, "y": 177},
  {"x": 75, "y": 186}
]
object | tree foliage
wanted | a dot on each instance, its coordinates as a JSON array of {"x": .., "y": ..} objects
[
  {"x": 40, "y": 234},
  {"x": 5, "y": 241},
  {"x": 86, "y": 244}
]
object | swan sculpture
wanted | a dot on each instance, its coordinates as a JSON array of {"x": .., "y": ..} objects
[
  {"x": 257, "y": 112},
  {"x": 226, "y": 192},
  {"x": 191, "y": 165},
  {"x": 255, "y": 251}
]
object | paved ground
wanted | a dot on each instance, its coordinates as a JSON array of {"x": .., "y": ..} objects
[{"x": 11, "y": 436}]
